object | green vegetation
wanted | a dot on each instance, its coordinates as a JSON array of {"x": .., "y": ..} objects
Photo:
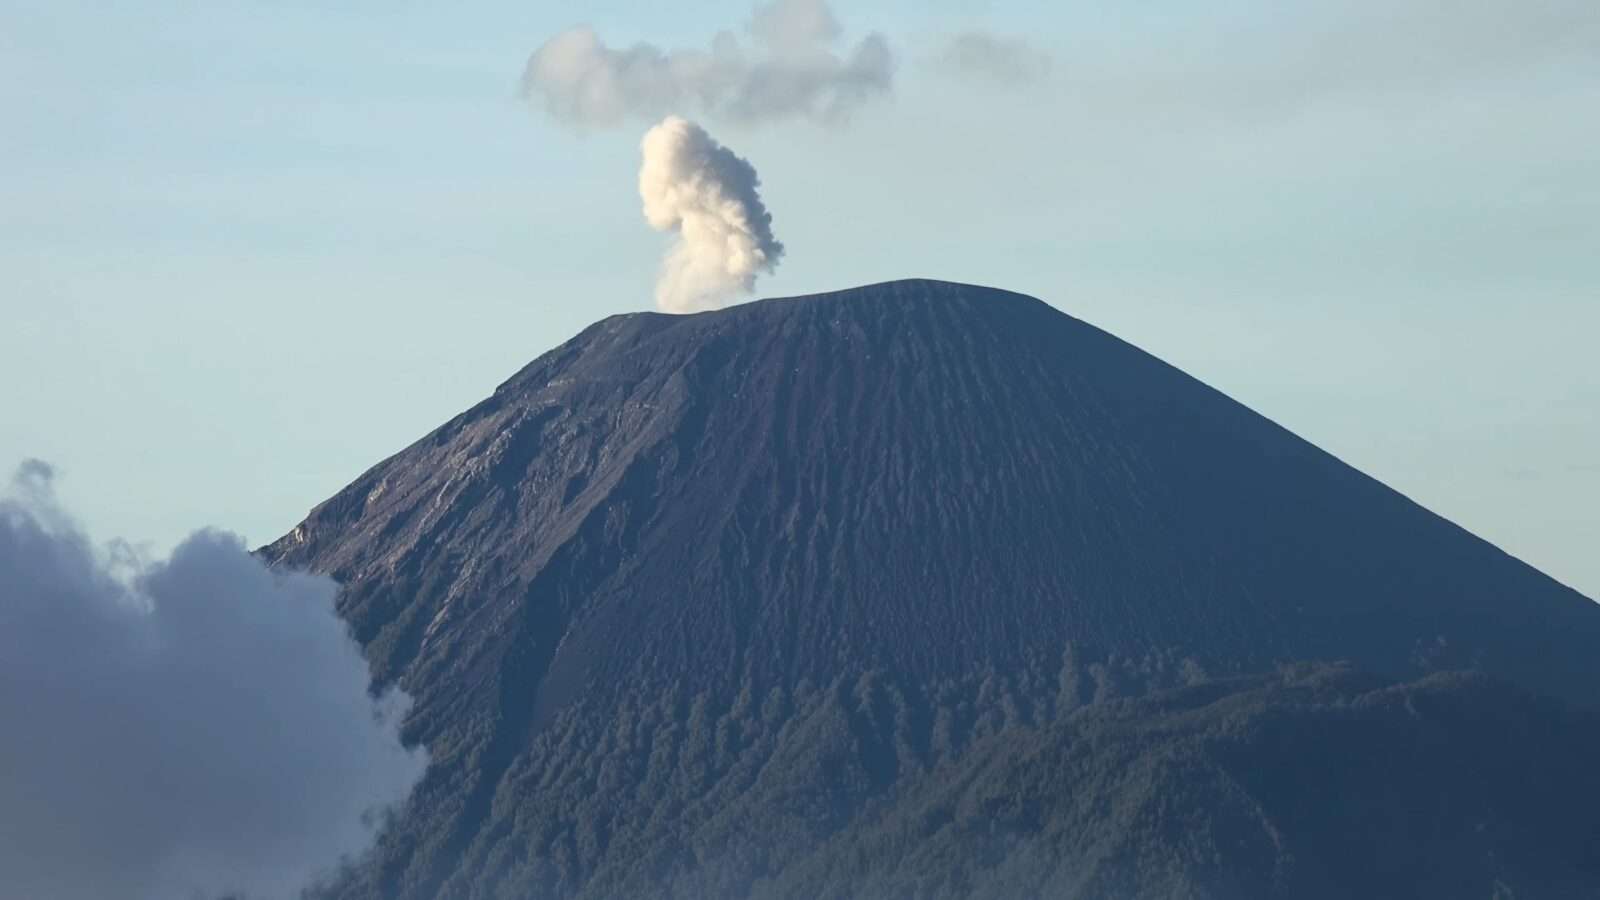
[{"x": 1316, "y": 782}]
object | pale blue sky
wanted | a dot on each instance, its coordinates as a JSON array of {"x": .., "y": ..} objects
[{"x": 251, "y": 248}]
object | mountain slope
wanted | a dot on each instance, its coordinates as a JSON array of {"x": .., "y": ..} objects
[
  {"x": 808, "y": 550},
  {"x": 1316, "y": 782}
]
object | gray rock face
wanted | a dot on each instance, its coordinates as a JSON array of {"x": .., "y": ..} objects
[{"x": 806, "y": 551}]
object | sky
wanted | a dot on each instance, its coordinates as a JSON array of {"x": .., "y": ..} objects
[{"x": 249, "y": 249}]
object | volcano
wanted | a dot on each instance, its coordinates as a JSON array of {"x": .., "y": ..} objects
[{"x": 924, "y": 589}]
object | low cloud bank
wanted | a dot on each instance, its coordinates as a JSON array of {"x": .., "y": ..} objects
[{"x": 196, "y": 727}]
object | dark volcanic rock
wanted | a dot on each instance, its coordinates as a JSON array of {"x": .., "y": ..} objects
[{"x": 791, "y": 557}]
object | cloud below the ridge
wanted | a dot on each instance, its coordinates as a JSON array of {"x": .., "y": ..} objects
[{"x": 195, "y": 727}]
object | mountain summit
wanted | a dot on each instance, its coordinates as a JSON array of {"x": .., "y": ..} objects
[{"x": 747, "y": 601}]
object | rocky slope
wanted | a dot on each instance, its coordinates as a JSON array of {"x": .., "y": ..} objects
[{"x": 690, "y": 600}]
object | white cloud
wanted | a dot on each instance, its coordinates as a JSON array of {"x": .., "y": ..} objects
[
  {"x": 790, "y": 66},
  {"x": 196, "y": 727}
]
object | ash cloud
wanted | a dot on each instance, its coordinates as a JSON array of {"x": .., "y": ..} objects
[
  {"x": 707, "y": 196},
  {"x": 789, "y": 64},
  {"x": 195, "y": 727}
]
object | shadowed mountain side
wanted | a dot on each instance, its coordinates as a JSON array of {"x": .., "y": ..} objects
[
  {"x": 994, "y": 511},
  {"x": 1315, "y": 783}
]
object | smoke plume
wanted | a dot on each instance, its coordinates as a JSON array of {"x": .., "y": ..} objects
[
  {"x": 197, "y": 727},
  {"x": 788, "y": 66},
  {"x": 706, "y": 195}
]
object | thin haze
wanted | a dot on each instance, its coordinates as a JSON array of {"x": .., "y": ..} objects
[
  {"x": 195, "y": 727},
  {"x": 1006, "y": 61},
  {"x": 250, "y": 250}
]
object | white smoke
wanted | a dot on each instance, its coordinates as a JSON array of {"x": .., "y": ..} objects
[
  {"x": 704, "y": 193},
  {"x": 199, "y": 727},
  {"x": 789, "y": 67}
]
